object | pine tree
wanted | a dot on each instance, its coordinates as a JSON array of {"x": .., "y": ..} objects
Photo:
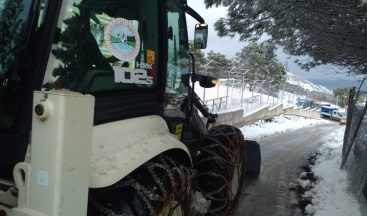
[
  {"x": 330, "y": 32},
  {"x": 218, "y": 65},
  {"x": 259, "y": 65}
]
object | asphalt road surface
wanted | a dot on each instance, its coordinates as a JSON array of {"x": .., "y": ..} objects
[{"x": 282, "y": 158}]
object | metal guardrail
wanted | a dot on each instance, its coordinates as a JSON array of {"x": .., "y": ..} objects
[
  {"x": 217, "y": 104},
  {"x": 253, "y": 99}
]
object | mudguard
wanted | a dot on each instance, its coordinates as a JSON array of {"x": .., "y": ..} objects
[{"x": 120, "y": 147}]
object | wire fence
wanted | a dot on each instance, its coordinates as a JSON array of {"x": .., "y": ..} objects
[
  {"x": 231, "y": 94},
  {"x": 354, "y": 155}
]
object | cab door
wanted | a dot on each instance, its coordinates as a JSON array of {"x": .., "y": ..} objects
[{"x": 20, "y": 22}]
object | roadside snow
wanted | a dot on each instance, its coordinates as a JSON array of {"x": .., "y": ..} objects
[
  {"x": 280, "y": 124},
  {"x": 330, "y": 194}
]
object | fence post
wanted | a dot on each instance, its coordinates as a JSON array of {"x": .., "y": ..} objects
[
  {"x": 232, "y": 88},
  {"x": 349, "y": 147},
  {"x": 218, "y": 89},
  {"x": 261, "y": 97},
  {"x": 204, "y": 96},
  {"x": 252, "y": 96},
  {"x": 351, "y": 107},
  {"x": 227, "y": 91},
  {"x": 242, "y": 89}
]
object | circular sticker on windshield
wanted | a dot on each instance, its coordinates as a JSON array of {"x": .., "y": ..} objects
[{"x": 122, "y": 39}]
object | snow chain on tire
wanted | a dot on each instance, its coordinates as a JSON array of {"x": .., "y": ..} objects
[
  {"x": 160, "y": 182},
  {"x": 222, "y": 149}
]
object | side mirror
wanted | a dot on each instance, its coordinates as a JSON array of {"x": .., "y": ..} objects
[
  {"x": 206, "y": 81},
  {"x": 201, "y": 36}
]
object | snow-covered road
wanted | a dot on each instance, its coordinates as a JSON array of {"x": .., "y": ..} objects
[{"x": 282, "y": 157}]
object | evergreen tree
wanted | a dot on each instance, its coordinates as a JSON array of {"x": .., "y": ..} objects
[
  {"x": 342, "y": 95},
  {"x": 218, "y": 65},
  {"x": 259, "y": 66},
  {"x": 330, "y": 32}
]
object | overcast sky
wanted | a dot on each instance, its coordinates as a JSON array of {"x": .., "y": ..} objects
[
  {"x": 226, "y": 45},
  {"x": 230, "y": 46}
]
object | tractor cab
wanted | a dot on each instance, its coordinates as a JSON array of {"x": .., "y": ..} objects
[
  {"x": 99, "y": 115},
  {"x": 132, "y": 56}
]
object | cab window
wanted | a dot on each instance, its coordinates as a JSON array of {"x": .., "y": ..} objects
[
  {"x": 178, "y": 59},
  {"x": 14, "y": 15},
  {"x": 105, "y": 46}
]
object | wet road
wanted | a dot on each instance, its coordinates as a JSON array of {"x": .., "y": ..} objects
[{"x": 282, "y": 157}]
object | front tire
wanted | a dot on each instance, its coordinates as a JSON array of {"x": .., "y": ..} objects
[
  {"x": 221, "y": 168},
  {"x": 161, "y": 187},
  {"x": 253, "y": 159}
]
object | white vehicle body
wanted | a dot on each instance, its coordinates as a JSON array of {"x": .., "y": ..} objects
[
  {"x": 63, "y": 135},
  {"x": 332, "y": 113},
  {"x": 120, "y": 147}
]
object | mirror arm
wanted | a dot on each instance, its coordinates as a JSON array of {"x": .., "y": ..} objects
[
  {"x": 193, "y": 80},
  {"x": 194, "y": 14},
  {"x": 194, "y": 99}
]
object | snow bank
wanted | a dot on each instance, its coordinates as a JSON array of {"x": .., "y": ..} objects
[
  {"x": 280, "y": 124},
  {"x": 330, "y": 194}
]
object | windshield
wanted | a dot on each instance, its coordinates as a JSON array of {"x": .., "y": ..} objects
[
  {"x": 178, "y": 59},
  {"x": 13, "y": 17},
  {"x": 105, "y": 46}
]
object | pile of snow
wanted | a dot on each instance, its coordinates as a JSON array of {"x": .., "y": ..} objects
[
  {"x": 305, "y": 184},
  {"x": 305, "y": 84},
  {"x": 330, "y": 196},
  {"x": 279, "y": 124},
  {"x": 200, "y": 205}
]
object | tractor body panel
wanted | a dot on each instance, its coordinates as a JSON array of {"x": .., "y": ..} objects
[
  {"x": 55, "y": 182},
  {"x": 120, "y": 147}
]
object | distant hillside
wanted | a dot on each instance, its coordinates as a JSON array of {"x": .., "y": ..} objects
[
  {"x": 293, "y": 79},
  {"x": 298, "y": 85},
  {"x": 338, "y": 83}
]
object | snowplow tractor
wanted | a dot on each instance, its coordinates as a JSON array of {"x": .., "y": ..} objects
[{"x": 99, "y": 115}]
